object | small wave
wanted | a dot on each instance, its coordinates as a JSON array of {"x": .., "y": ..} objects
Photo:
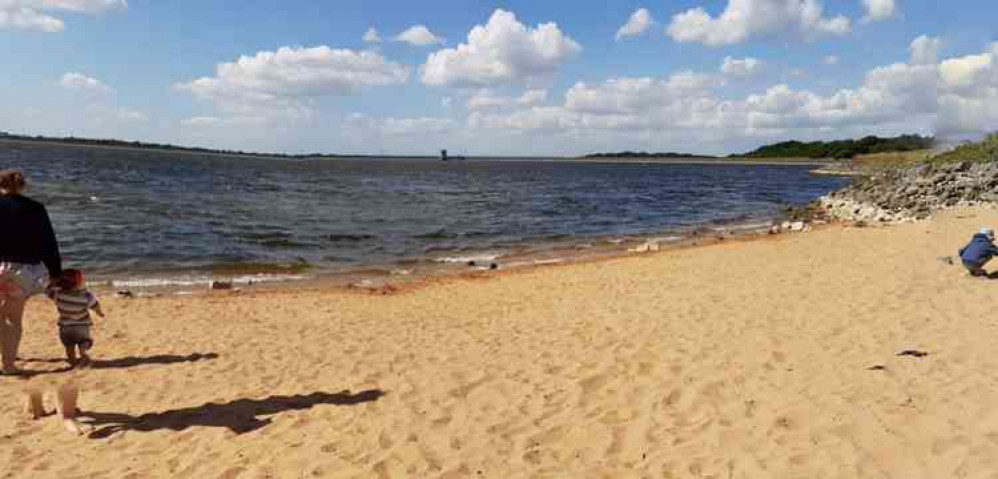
[
  {"x": 729, "y": 220},
  {"x": 537, "y": 262},
  {"x": 265, "y": 236},
  {"x": 666, "y": 239},
  {"x": 439, "y": 234},
  {"x": 557, "y": 237},
  {"x": 468, "y": 259},
  {"x": 348, "y": 238},
  {"x": 751, "y": 226},
  {"x": 256, "y": 268},
  {"x": 285, "y": 244},
  {"x": 443, "y": 234}
]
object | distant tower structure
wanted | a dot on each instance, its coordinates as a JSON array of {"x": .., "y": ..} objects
[{"x": 443, "y": 155}]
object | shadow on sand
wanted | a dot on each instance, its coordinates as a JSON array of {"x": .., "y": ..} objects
[
  {"x": 240, "y": 416},
  {"x": 129, "y": 362}
]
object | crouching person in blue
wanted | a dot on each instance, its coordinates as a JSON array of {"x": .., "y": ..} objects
[{"x": 980, "y": 250}]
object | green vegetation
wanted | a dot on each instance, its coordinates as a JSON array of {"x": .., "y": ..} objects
[
  {"x": 841, "y": 148},
  {"x": 983, "y": 151}
]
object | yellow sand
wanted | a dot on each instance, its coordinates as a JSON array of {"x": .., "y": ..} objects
[{"x": 733, "y": 361}]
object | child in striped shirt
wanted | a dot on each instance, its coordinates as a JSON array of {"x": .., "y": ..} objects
[{"x": 74, "y": 302}]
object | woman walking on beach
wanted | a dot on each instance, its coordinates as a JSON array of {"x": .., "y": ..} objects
[{"x": 29, "y": 255}]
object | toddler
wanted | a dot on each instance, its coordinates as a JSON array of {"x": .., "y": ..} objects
[{"x": 74, "y": 302}]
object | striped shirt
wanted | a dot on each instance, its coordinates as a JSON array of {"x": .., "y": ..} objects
[{"x": 74, "y": 306}]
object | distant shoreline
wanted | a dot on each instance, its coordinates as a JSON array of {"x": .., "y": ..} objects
[
  {"x": 55, "y": 142},
  {"x": 67, "y": 144},
  {"x": 640, "y": 160},
  {"x": 709, "y": 161}
]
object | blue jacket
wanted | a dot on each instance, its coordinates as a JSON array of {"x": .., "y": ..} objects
[{"x": 979, "y": 251}]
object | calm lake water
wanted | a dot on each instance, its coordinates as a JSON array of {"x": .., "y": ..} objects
[{"x": 133, "y": 214}]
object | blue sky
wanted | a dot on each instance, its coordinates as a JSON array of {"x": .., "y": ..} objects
[{"x": 479, "y": 77}]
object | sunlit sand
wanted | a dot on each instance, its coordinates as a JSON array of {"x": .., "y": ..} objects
[{"x": 776, "y": 358}]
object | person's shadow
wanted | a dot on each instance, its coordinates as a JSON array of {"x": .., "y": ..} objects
[
  {"x": 120, "y": 363},
  {"x": 986, "y": 275},
  {"x": 240, "y": 416},
  {"x": 133, "y": 361}
]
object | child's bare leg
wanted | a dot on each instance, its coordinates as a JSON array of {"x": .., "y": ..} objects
[
  {"x": 84, "y": 360},
  {"x": 35, "y": 407},
  {"x": 66, "y": 404},
  {"x": 71, "y": 356}
]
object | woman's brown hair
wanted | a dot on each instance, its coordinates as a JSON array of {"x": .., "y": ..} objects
[{"x": 11, "y": 182}]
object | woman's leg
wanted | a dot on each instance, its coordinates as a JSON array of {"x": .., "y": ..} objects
[{"x": 11, "y": 316}]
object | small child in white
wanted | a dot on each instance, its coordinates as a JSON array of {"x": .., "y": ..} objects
[{"x": 74, "y": 302}]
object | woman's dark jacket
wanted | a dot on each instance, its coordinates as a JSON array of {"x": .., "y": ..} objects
[{"x": 26, "y": 234}]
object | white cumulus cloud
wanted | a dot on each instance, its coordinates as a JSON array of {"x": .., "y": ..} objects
[
  {"x": 28, "y": 19},
  {"x": 621, "y": 96},
  {"x": 286, "y": 79},
  {"x": 37, "y": 14},
  {"x": 877, "y": 10},
  {"x": 419, "y": 36},
  {"x": 401, "y": 126},
  {"x": 830, "y": 60},
  {"x": 954, "y": 97},
  {"x": 741, "y": 67},
  {"x": 968, "y": 102},
  {"x": 372, "y": 36},
  {"x": 86, "y": 6},
  {"x": 486, "y": 99},
  {"x": 502, "y": 51},
  {"x": 640, "y": 22},
  {"x": 925, "y": 50},
  {"x": 533, "y": 97},
  {"x": 82, "y": 83},
  {"x": 415, "y": 126},
  {"x": 215, "y": 121},
  {"x": 969, "y": 72},
  {"x": 744, "y": 19}
]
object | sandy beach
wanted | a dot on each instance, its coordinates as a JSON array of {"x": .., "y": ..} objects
[{"x": 776, "y": 358}]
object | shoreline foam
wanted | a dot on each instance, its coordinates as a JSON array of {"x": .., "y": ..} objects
[{"x": 432, "y": 266}]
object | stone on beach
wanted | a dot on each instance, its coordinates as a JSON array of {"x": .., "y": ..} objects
[
  {"x": 216, "y": 285},
  {"x": 647, "y": 247}
]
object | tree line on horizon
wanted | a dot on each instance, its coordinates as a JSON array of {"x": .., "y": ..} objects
[
  {"x": 839, "y": 149},
  {"x": 842, "y": 149}
]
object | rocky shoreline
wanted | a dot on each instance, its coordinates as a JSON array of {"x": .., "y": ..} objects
[
  {"x": 842, "y": 168},
  {"x": 908, "y": 194}
]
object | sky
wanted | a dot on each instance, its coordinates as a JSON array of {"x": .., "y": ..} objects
[{"x": 478, "y": 77}]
